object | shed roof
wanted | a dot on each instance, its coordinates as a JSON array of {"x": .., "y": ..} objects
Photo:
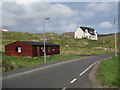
[
  {"x": 90, "y": 30},
  {"x": 39, "y": 43}
]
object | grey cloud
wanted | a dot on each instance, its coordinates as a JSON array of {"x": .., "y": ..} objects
[
  {"x": 40, "y": 6},
  {"x": 13, "y": 8},
  {"x": 31, "y": 16}
]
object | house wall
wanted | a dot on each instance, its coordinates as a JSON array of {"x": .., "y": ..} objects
[
  {"x": 29, "y": 50},
  {"x": 26, "y": 49},
  {"x": 89, "y": 36},
  {"x": 79, "y": 33},
  {"x": 94, "y": 37},
  {"x": 37, "y": 53},
  {"x": 56, "y": 50}
]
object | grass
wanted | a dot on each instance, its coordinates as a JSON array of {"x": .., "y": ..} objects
[
  {"x": 107, "y": 73},
  {"x": 76, "y": 46},
  {"x": 14, "y": 62}
]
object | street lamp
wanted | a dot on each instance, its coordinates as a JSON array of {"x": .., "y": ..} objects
[{"x": 44, "y": 38}]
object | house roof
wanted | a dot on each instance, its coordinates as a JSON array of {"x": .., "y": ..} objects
[
  {"x": 39, "y": 43},
  {"x": 90, "y": 30}
]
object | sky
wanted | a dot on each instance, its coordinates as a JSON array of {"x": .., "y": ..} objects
[{"x": 64, "y": 16}]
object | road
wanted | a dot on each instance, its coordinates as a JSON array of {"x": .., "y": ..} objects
[{"x": 72, "y": 73}]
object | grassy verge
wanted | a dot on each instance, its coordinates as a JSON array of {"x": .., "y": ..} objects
[
  {"x": 107, "y": 73},
  {"x": 14, "y": 62}
]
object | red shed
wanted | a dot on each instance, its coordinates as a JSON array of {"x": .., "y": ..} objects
[{"x": 33, "y": 49}]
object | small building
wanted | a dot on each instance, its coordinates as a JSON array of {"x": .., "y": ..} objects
[
  {"x": 33, "y": 49},
  {"x": 86, "y": 32},
  {"x": 4, "y": 30}
]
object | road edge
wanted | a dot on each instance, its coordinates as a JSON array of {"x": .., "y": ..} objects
[{"x": 92, "y": 75}]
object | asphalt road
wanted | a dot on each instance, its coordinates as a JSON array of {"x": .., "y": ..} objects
[{"x": 72, "y": 73}]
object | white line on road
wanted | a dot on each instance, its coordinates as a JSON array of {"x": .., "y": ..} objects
[
  {"x": 73, "y": 80},
  {"x": 87, "y": 68},
  {"x": 64, "y": 88}
]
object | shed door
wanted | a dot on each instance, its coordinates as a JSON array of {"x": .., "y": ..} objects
[{"x": 38, "y": 51}]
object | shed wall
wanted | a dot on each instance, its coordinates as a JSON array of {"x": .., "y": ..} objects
[
  {"x": 29, "y": 50},
  {"x": 37, "y": 53},
  {"x": 26, "y": 49}
]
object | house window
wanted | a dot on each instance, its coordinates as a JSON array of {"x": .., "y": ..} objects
[
  {"x": 18, "y": 49},
  {"x": 42, "y": 49},
  {"x": 76, "y": 37},
  {"x": 53, "y": 49},
  {"x": 48, "y": 49},
  {"x": 92, "y": 36}
]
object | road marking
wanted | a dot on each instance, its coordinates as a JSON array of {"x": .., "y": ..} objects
[
  {"x": 73, "y": 80},
  {"x": 37, "y": 69},
  {"x": 64, "y": 88},
  {"x": 87, "y": 68}
]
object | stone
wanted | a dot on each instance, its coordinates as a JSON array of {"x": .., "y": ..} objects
[{"x": 67, "y": 45}]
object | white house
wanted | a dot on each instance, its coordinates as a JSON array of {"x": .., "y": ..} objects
[
  {"x": 5, "y": 30},
  {"x": 86, "y": 32}
]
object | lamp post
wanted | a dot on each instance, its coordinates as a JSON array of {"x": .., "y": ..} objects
[{"x": 44, "y": 38}]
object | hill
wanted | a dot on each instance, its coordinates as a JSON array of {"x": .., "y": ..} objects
[{"x": 68, "y": 45}]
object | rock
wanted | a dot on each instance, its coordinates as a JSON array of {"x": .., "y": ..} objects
[
  {"x": 34, "y": 40},
  {"x": 48, "y": 38},
  {"x": 51, "y": 34},
  {"x": 38, "y": 35},
  {"x": 80, "y": 45},
  {"x": 58, "y": 39},
  {"x": 43, "y": 39},
  {"x": 67, "y": 45},
  {"x": 101, "y": 48},
  {"x": 53, "y": 38},
  {"x": 26, "y": 36},
  {"x": 107, "y": 48},
  {"x": 85, "y": 43},
  {"x": 97, "y": 47}
]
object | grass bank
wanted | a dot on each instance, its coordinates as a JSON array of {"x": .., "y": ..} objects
[
  {"x": 68, "y": 44},
  {"x": 14, "y": 62},
  {"x": 107, "y": 73}
]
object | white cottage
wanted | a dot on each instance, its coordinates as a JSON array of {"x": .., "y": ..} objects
[
  {"x": 5, "y": 30},
  {"x": 86, "y": 32}
]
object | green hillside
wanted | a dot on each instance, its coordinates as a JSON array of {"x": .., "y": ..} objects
[{"x": 68, "y": 45}]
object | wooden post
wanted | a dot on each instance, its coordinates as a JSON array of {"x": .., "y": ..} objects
[{"x": 115, "y": 38}]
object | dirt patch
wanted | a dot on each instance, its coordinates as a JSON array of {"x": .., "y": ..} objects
[{"x": 92, "y": 76}]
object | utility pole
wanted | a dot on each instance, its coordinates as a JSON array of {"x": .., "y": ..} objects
[
  {"x": 103, "y": 45},
  {"x": 115, "y": 38}
]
